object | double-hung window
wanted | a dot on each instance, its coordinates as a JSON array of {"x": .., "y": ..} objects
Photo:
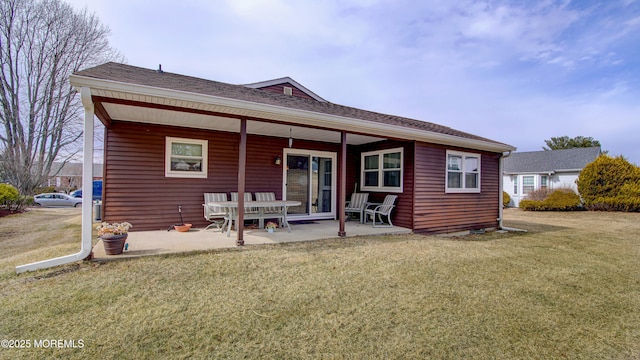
[
  {"x": 186, "y": 158},
  {"x": 544, "y": 181},
  {"x": 463, "y": 172},
  {"x": 382, "y": 170},
  {"x": 528, "y": 184}
]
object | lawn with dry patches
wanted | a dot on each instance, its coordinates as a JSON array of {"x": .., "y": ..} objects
[{"x": 568, "y": 288}]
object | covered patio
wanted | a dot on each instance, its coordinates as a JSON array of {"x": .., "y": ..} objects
[
  {"x": 148, "y": 243},
  {"x": 170, "y": 138}
]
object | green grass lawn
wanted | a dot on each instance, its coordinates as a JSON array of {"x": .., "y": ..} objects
[{"x": 569, "y": 288}]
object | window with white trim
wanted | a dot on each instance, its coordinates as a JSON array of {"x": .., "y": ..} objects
[
  {"x": 382, "y": 170},
  {"x": 515, "y": 184},
  {"x": 544, "y": 181},
  {"x": 528, "y": 184},
  {"x": 186, "y": 158},
  {"x": 463, "y": 172}
]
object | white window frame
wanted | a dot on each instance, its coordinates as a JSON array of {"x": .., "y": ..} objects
[
  {"x": 202, "y": 174},
  {"x": 544, "y": 181},
  {"x": 381, "y": 170},
  {"x": 462, "y": 189},
  {"x": 533, "y": 184}
]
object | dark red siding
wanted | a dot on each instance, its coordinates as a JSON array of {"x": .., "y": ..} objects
[
  {"x": 402, "y": 215},
  {"x": 439, "y": 212},
  {"x": 136, "y": 189}
]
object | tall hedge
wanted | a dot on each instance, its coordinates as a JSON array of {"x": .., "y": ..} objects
[{"x": 610, "y": 184}]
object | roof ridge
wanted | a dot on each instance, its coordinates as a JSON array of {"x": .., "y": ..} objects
[
  {"x": 556, "y": 150},
  {"x": 286, "y": 79}
]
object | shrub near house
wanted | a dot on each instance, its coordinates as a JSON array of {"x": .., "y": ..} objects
[
  {"x": 552, "y": 200},
  {"x": 506, "y": 199}
]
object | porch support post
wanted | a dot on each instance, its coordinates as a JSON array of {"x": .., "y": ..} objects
[
  {"x": 342, "y": 192},
  {"x": 242, "y": 167}
]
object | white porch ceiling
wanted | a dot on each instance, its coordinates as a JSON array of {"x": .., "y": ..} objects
[{"x": 219, "y": 123}]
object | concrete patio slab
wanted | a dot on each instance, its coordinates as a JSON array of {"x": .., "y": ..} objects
[{"x": 145, "y": 243}]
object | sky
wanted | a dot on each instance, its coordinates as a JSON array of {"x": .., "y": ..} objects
[{"x": 518, "y": 72}]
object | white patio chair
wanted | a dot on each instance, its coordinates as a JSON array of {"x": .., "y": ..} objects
[
  {"x": 250, "y": 213},
  {"x": 217, "y": 216},
  {"x": 357, "y": 204},
  {"x": 248, "y": 198},
  {"x": 275, "y": 211},
  {"x": 268, "y": 196},
  {"x": 381, "y": 210}
]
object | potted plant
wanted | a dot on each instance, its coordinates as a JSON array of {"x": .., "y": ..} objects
[
  {"x": 271, "y": 226},
  {"x": 113, "y": 236},
  {"x": 181, "y": 227}
]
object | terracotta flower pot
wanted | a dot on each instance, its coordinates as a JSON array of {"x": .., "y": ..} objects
[
  {"x": 183, "y": 227},
  {"x": 114, "y": 244}
]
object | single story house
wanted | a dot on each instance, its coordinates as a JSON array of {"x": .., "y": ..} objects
[
  {"x": 169, "y": 138},
  {"x": 446, "y": 180},
  {"x": 528, "y": 171}
]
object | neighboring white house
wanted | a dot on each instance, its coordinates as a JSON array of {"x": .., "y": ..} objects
[{"x": 528, "y": 171}]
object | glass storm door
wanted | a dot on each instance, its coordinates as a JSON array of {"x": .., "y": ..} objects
[{"x": 310, "y": 177}]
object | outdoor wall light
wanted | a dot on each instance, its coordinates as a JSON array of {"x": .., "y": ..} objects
[
  {"x": 278, "y": 160},
  {"x": 290, "y": 139}
]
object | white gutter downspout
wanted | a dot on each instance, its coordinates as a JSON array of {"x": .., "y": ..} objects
[
  {"x": 501, "y": 197},
  {"x": 87, "y": 193}
]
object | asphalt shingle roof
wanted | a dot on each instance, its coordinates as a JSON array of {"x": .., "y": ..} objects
[
  {"x": 136, "y": 75},
  {"x": 550, "y": 161}
]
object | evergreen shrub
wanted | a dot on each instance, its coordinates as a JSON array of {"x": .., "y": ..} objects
[
  {"x": 610, "y": 184},
  {"x": 11, "y": 200},
  {"x": 8, "y": 194},
  {"x": 506, "y": 199}
]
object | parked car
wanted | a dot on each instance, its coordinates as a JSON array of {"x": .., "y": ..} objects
[
  {"x": 56, "y": 200},
  {"x": 97, "y": 191}
]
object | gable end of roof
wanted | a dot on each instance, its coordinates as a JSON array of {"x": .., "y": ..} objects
[{"x": 285, "y": 81}]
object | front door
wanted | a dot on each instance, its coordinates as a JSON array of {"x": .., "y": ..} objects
[{"x": 310, "y": 177}]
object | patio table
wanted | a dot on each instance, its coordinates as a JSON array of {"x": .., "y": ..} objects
[{"x": 232, "y": 211}]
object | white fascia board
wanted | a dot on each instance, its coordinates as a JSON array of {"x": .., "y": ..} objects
[{"x": 302, "y": 117}]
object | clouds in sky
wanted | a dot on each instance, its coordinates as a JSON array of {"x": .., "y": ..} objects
[{"x": 518, "y": 72}]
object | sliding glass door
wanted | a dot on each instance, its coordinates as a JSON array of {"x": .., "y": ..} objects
[{"x": 310, "y": 177}]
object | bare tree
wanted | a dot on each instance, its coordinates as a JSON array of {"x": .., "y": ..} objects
[{"x": 42, "y": 42}]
